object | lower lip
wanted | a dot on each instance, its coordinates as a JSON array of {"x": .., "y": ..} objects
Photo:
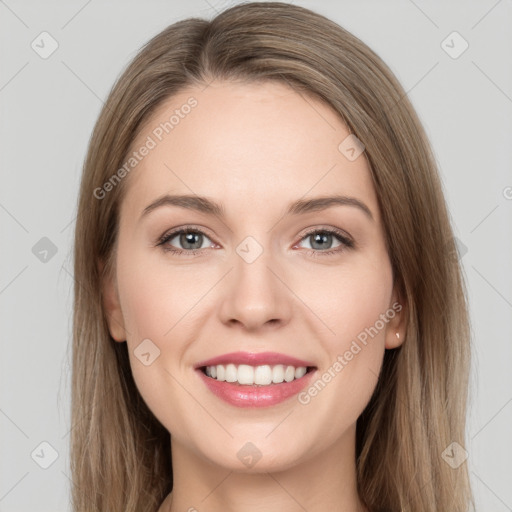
[{"x": 255, "y": 396}]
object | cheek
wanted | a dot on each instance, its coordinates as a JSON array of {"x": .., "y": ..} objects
[
  {"x": 150, "y": 312},
  {"x": 349, "y": 299},
  {"x": 352, "y": 304},
  {"x": 364, "y": 298},
  {"x": 160, "y": 304},
  {"x": 156, "y": 297}
]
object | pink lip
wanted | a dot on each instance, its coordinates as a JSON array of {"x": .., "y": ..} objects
[
  {"x": 255, "y": 396},
  {"x": 254, "y": 359}
]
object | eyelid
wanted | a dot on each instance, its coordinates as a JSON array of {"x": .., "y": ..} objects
[
  {"x": 170, "y": 234},
  {"x": 346, "y": 241}
]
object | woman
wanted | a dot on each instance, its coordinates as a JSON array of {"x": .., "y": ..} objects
[{"x": 269, "y": 316}]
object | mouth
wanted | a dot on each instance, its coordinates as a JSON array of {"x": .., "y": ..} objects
[
  {"x": 262, "y": 375},
  {"x": 255, "y": 380}
]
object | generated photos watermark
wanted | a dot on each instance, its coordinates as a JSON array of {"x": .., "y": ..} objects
[
  {"x": 151, "y": 142},
  {"x": 344, "y": 359}
]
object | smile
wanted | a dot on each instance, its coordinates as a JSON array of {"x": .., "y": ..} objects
[
  {"x": 264, "y": 375},
  {"x": 241, "y": 379}
]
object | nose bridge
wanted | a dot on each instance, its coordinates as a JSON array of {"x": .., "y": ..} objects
[
  {"x": 252, "y": 264},
  {"x": 254, "y": 283},
  {"x": 254, "y": 295}
]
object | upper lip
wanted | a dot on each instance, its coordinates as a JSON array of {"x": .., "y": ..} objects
[{"x": 254, "y": 359}]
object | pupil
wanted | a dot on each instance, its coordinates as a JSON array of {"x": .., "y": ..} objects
[
  {"x": 319, "y": 237},
  {"x": 190, "y": 238}
]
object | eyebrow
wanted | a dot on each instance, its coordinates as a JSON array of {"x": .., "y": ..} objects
[{"x": 210, "y": 207}]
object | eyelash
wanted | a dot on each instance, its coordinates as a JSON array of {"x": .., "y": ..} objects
[{"x": 346, "y": 243}]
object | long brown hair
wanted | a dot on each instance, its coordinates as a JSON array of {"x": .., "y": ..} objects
[{"x": 120, "y": 453}]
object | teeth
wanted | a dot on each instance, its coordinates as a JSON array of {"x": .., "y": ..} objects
[
  {"x": 260, "y": 375},
  {"x": 278, "y": 374}
]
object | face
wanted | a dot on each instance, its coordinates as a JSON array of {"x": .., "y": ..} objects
[{"x": 311, "y": 283}]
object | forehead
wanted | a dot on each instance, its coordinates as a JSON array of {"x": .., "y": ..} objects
[{"x": 244, "y": 143}]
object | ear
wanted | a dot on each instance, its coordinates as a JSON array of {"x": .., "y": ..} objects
[
  {"x": 397, "y": 325},
  {"x": 111, "y": 304}
]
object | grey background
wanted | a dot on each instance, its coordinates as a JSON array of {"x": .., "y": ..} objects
[{"x": 48, "y": 108}]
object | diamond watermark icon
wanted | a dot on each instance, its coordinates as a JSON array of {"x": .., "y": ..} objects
[
  {"x": 455, "y": 251},
  {"x": 44, "y": 250},
  {"x": 454, "y": 45},
  {"x": 44, "y": 455},
  {"x": 351, "y": 147},
  {"x": 454, "y": 455},
  {"x": 146, "y": 352},
  {"x": 249, "y": 249},
  {"x": 44, "y": 45},
  {"x": 249, "y": 454}
]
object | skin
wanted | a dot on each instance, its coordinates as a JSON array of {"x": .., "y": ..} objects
[{"x": 254, "y": 148}]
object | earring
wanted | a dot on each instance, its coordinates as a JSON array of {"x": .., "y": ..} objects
[{"x": 398, "y": 335}]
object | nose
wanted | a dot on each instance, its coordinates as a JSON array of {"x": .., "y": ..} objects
[{"x": 255, "y": 295}]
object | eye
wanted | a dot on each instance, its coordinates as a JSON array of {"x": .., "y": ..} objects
[
  {"x": 190, "y": 239},
  {"x": 321, "y": 241}
]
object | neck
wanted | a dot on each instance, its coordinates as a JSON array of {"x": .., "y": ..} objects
[{"x": 327, "y": 481}]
